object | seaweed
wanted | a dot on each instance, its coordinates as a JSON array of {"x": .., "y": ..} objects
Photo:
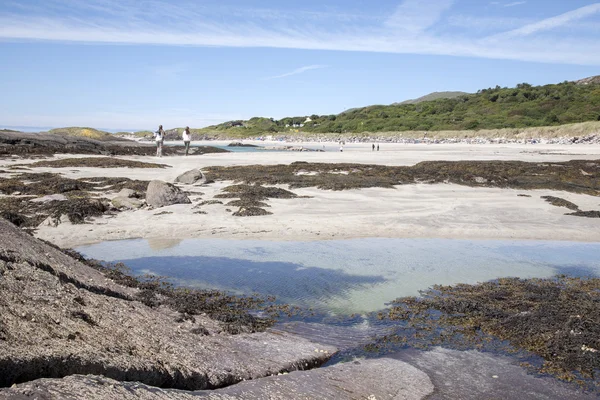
[
  {"x": 251, "y": 212},
  {"x": 564, "y": 176},
  {"x": 587, "y": 214},
  {"x": 558, "y": 202},
  {"x": 94, "y": 162},
  {"x": 556, "y": 319}
]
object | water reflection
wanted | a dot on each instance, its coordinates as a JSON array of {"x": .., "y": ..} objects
[
  {"x": 161, "y": 244},
  {"x": 348, "y": 276},
  {"x": 289, "y": 282}
]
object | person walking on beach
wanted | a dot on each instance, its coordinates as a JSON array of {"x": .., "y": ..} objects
[
  {"x": 159, "y": 137},
  {"x": 377, "y": 146},
  {"x": 373, "y": 147},
  {"x": 186, "y": 139}
]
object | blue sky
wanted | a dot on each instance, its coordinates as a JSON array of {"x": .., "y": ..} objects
[{"x": 136, "y": 64}]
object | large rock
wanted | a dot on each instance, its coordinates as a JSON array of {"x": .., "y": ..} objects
[
  {"x": 59, "y": 317},
  {"x": 190, "y": 177},
  {"x": 127, "y": 203},
  {"x": 127, "y": 199},
  {"x": 160, "y": 194},
  {"x": 365, "y": 379}
]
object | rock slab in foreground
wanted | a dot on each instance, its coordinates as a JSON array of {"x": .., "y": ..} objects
[
  {"x": 160, "y": 194},
  {"x": 59, "y": 317},
  {"x": 365, "y": 379}
]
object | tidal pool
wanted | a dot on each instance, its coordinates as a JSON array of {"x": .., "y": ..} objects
[{"x": 342, "y": 277}]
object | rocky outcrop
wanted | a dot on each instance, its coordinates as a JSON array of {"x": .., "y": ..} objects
[
  {"x": 368, "y": 379},
  {"x": 22, "y": 143},
  {"x": 160, "y": 194},
  {"x": 59, "y": 317},
  {"x": 190, "y": 177}
]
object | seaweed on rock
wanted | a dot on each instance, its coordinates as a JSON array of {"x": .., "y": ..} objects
[{"x": 557, "y": 319}]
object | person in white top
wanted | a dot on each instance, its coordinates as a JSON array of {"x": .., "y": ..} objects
[
  {"x": 187, "y": 137},
  {"x": 159, "y": 137}
]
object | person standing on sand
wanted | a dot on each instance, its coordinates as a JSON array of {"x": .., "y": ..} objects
[
  {"x": 373, "y": 147},
  {"x": 186, "y": 139},
  {"x": 377, "y": 146},
  {"x": 159, "y": 137}
]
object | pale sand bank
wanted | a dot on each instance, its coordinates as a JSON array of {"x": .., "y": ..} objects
[{"x": 408, "y": 211}]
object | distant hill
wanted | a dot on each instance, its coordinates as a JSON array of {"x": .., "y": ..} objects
[
  {"x": 492, "y": 108},
  {"x": 433, "y": 96},
  {"x": 588, "y": 81},
  {"x": 90, "y": 133}
]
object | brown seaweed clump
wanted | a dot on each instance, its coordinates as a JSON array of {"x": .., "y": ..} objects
[
  {"x": 576, "y": 176},
  {"x": 251, "y": 196},
  {"x": 247, "y": 202},
  {"x": 255, "y": 192},
  {"x": 558, "y": 202},
  {"x": 587, "y": 214},
  {"x": 251, "y": 212},
  {"x": 557, "y": 319},
  {"x": 95, "y": 162},
  {"x": 80, "y": 203}
]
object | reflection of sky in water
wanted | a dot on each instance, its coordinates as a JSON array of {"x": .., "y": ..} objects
[{"x": 347, "y": 276}]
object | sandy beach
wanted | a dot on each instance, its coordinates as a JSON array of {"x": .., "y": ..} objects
[{"x": 406, "y": 211}]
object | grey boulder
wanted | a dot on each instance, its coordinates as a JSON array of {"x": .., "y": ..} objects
[
  {"x": 160, "y": 194},
  {"x": 50, "y": 197},
  {"x": 127, "y": 199},
  {"x": 190, "y": 177}
]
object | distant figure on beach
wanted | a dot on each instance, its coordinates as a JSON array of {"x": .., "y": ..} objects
[
  {"x": 159, "y": 137},
  {"x": 373, "y": 147},
  {"x": 377, "y": 146},
  {"x": 186, "y": 139},
  {"x": 341, "y": 147}
]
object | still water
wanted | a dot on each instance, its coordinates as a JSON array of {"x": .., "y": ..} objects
[{"x": 342, "y": 277}]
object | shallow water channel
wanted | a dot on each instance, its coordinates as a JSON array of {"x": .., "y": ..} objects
[{"x": 345, "y": 276}]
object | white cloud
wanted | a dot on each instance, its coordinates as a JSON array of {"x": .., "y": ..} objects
[
  {"x": 513, "y": 4},
  {"x": 407, "y": 30},
  {"x": 413, "y": 16},
  {"x": 554, "y": 22},
  {"x": 297, "y": 71}
]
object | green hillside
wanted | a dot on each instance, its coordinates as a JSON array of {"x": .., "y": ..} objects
[
  {"x": 492, "y": 108},
  {"x": 433, "y": 96}
]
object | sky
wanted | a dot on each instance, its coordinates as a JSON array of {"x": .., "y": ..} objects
[{"x": 135, "y": 64}]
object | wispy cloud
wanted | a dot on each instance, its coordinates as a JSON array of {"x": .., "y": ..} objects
[
  {"x": 554, "y": 22},
  {"x": 412, "y": 16},
  {"x": 297, "y": 71},
  {"x": 411, "y": 28},
  {"x": 513, "y": 4}
]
